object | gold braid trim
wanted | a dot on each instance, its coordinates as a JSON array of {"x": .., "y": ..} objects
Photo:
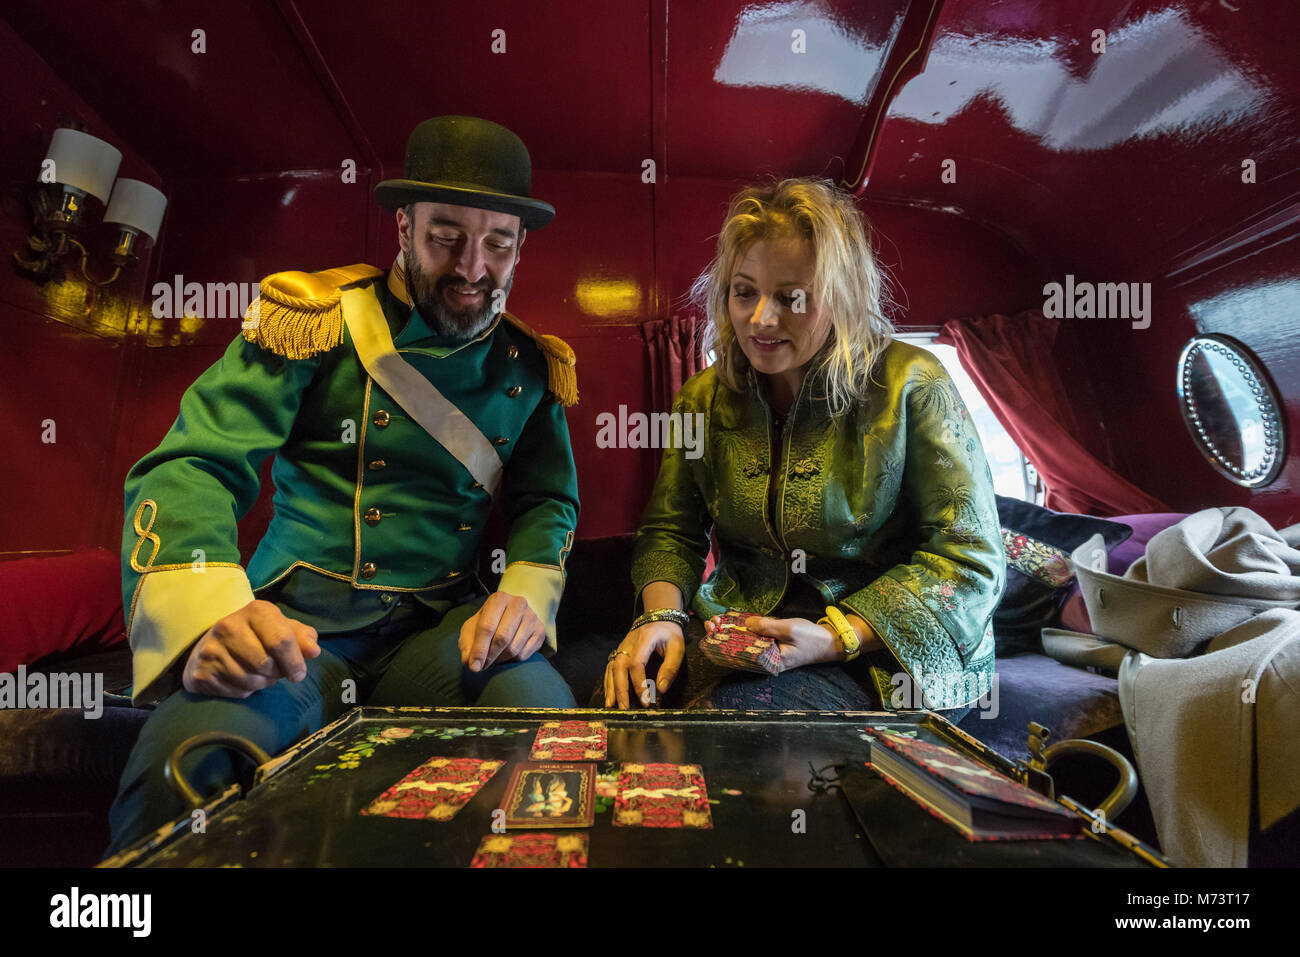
[
  {"x": 561, "y": 363},
  {"x": 300, "y": 314}
]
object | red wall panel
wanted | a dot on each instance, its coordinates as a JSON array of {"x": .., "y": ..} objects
[{"x": 65, "y": 493}]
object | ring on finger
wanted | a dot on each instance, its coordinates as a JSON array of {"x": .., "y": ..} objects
[{"x": 614, "y": 654}]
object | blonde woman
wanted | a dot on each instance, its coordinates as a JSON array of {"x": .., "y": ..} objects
[{"x": 843, "y": 480}]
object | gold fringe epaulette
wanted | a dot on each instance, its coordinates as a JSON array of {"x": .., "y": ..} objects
[
  {"x": 561, "y": 363},
  {"x": 300, "y": 314}
]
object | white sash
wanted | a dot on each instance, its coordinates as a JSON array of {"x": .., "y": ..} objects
[{"x": 448, "y": 425}]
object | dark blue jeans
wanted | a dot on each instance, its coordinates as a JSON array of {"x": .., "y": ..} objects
[{"x": 408, "y": 657}]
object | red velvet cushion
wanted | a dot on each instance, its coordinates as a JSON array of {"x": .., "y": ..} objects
[
  {"x": 60, "y": 604},
  {"x": 1074, "y": 615}
]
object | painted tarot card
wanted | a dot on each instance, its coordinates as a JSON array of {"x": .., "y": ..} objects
[
  {"x": 435, "y": 790},
  {"x": 542, "y": 794},
  {"x": 732, "y": 645},
  {"x": 570, "y": 741},
  {"x": 662, "y": 795},
  {"x": 531, "y": 849}
]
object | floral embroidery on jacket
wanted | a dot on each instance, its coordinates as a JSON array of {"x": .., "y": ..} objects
[
  {"x": 944, "y": 594},
  {"x": 805, "y": 468}
]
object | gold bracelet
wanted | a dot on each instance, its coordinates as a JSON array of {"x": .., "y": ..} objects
[{"x": 837, "y": 623}]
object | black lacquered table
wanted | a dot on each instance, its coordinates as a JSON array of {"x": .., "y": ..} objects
[{"x": 304, "y": 807}]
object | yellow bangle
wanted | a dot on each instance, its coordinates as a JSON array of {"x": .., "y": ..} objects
[{"x": 840, "y": 625}]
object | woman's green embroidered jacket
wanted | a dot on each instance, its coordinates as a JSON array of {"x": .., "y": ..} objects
[{"x": 887, "y": 511}]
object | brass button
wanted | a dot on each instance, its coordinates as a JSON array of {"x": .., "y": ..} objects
[
  {"x": 386, "y": 598},
  {"x": 514, "y": 391},
  {"x": 501, "y": 440},
  {"x": 368, "y": 570},
  {"x": 513, "y": 352},
  {"x": 453, "y": 574},
  {"x": 478, "y": 484},
  {"x": 464, "y": 527},
  {"x": 378, "y": 464},
  {"x": 372, "y": 516},
  {"x": 381, "y": 418}
]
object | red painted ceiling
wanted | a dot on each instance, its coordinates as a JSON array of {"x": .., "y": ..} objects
[{"x": 1124, "y": 160}]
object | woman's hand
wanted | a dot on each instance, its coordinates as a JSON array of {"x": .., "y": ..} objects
[
  {"x": 800, "y": 641},
  {"x": 627, "y": 667}
]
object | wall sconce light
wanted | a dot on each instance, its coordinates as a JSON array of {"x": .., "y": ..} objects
[
  {"x": 136, "y": 208},
  {"x": 78, "y": 165}
]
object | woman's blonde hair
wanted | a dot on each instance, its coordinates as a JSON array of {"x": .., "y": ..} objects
[{"x": 848, "y": 283}]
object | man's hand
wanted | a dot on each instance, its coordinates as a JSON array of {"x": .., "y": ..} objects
[
  {"x": 504, "y": 629},
  {"x": 248, "y": 650}
]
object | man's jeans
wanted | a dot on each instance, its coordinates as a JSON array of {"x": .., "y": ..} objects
[{"x": 409, "y": 657}]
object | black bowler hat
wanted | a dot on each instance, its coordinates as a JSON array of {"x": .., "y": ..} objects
[{"x": 467, "y": 161}]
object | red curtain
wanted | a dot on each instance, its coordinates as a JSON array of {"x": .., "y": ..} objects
[
  {"x": 1010, "y": 361},
  {"x": 676, "y": 347}
]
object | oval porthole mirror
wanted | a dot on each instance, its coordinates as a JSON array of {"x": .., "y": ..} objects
[{"x": 1231, "y": 410}]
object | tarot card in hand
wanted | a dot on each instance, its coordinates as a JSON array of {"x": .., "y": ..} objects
[
  {"x": 435, "y": 790},
  {"x": 531, "y": 849},
  {"x": 662, "y": 795},
  {"x": 570, "y": 741},
  {"x": 732, "y": 645},
  {"x": 544, "y": 794}
]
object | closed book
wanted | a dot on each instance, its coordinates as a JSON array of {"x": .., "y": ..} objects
[{"x": 978, "y": 801}]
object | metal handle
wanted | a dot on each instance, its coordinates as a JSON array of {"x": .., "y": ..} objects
[
  {"x": 1125, "y": 790},
  {"x": 172, "y": 769}
]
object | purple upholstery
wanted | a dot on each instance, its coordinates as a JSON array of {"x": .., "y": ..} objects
[{"x": 1070, "y": 702}]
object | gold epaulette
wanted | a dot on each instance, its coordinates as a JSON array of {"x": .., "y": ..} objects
[
  {"x": 299, "y": 314},
  {"x": 561, "y": 363}
]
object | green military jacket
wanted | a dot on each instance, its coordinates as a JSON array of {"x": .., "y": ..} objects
[
  {"x": 367, "y": 503},
  {"x": 887, "y": 511}
]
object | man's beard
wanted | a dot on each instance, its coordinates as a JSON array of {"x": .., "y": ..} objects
[{"x": 430, "y": 297}]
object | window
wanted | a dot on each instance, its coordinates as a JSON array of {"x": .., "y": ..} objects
[{"x": 1013, "y": 475}]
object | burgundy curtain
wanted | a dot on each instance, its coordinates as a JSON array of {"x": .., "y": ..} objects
[
  {"x": 676, "y": 347},
  {"x": 1010, "y": 361}
]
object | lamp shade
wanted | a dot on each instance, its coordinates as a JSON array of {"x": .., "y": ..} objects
[
  {"x": 84, "y": 162},
  {"x": 137, "y": 205}
]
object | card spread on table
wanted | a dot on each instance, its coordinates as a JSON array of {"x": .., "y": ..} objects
[
  {"x": 535, "y": 849},
  {"x": 570, "y": 741},
  {"x": 662, "y": 795},
  {"x": 542, "y": 794},
  {"x": 435, "y": 790},
  {"x": 732, "y": 645}
]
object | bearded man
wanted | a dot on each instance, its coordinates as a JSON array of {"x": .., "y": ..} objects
[{"x": 397, "y": 405}]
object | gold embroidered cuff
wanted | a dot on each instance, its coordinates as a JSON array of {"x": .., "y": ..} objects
[
  {"x": 170, "y": 612},
  {"x": 541, "y": 586}
]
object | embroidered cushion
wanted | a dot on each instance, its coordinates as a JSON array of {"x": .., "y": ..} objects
[{"x": 1037, "y": 542}]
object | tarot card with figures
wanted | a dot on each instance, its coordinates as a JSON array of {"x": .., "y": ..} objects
[{"x": 544, "y": 795}]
